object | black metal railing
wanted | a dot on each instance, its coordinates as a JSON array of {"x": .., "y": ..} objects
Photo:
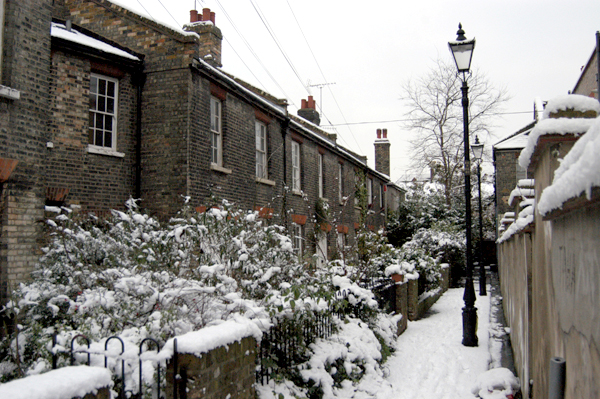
[{"x": 120, "y": 388}]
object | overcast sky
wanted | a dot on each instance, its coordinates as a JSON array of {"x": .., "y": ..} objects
[{"x": 367, "y": 50}]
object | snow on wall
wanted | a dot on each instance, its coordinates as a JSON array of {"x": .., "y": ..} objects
[
  {"x": 561, "y": 126},
  {"x": 63, "y": 383},
  {"x": 545, "y": 127},
  {"x": 578, "y": 172},
  {"x": 572, "y": 101},
  {"x": 209, "y": 338}
]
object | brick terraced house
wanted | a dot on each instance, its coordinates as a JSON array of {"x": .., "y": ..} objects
[{"x": 99, "y": 104}]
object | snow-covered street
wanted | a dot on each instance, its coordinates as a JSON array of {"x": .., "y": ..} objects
[{"x": 430, "y": 362}]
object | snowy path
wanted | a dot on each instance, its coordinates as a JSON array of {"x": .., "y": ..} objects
[{"x": 430, "y": 362}]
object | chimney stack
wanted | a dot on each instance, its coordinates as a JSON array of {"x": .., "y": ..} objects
[
  {"x": 382, "y": 152},
  {"x": 210, "y": 36},
  {"x": 308, "y": 111}
]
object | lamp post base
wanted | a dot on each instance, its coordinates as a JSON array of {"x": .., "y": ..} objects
[{"x": 469, "y": 315}]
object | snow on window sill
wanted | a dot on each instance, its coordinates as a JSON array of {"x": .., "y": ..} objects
[
  {"x": 217, "y": 168},
  {"x": 265, "y": 181},
  {"x": 94, "y": 149},
  {"x": 7, "y": 92},
  {"x": 297, "y": 192}
]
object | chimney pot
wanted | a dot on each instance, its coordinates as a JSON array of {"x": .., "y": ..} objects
[
  {"x": 212, "y": 17},
  {"x": 378, "y": 133},
  {"x": 304, "y": 104},
  {"x": 384, "y": 133},
  {"x": 206, "y": 14},
  {"x": 311, "y": 102},
  {"x": 193, "y": 15}
]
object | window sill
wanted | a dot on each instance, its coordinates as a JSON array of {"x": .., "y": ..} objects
[
  {"x": 297, "y": 192},
  {"x": 217, "y": 168},
  {"x": 7, "y": 92},
  {"x": 92, "y": 149},
  {"x": 265, "y": 181}
]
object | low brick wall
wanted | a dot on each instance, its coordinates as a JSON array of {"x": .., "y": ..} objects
[
  {"x": 226, "y": 370},
  {"x": 417, "y": 307}
]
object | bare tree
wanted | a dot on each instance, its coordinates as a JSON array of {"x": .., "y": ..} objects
[{"x": 435, "y": 115}]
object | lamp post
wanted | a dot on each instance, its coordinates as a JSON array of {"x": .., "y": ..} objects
[
  {"x": 462, "y": 51},
  {"x": 478, "y": 155}
]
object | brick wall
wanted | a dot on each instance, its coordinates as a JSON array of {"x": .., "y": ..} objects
[
  {"x": 506, "y": 178},
  {"x": 23, "y": 123},
  {"x": 95, "y": 182},
  {"x": 227, "y": 371}
]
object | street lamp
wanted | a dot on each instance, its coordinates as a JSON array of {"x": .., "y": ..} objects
[
  {"x": 462, "y": 51},
  {"x": 477, "y": 155}
]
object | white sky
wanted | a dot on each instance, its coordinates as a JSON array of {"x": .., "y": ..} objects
[{"x": 534, "y": 48}]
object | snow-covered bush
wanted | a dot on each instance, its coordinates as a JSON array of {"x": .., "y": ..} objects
[{"x": 134, "y": 277}]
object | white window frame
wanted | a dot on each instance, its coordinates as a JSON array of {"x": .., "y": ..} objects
[
  {"x": 216, "y": 131},
  {"x": 321, "y": 176},
  {"x": 341, "y": 182},
  {"x": 261, "y": 150},
  {"x": 297, "y": 240},
  {"x": 100, "y": 115},
  {"x": 321, "y": 249},
  {"x": 296, "y": 167},
  {"x": 341, "y": 240},
  {"x": 1, "y": 35},
  {"x": 370, "y": 191}
]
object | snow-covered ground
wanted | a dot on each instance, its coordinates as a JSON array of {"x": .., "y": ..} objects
[{"x": 430, "y": 362}]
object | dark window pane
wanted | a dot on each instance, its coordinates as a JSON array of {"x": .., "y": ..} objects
[
  {"x": 102, "y": 87},
  {"x": 110, "y": 88},
  {"x": 91, "y": 136},
  {"x": 99, "y": 121},
  {"x": 110, "y": 105},
  {"x": 91, "y": 122},
  {"x": 108, "y": 139},
  {"x": 102, "y": 104},
  {"x": 108, "y": 122},
  {"x": 93, "y": 101},
  {"x": 98, "y": 138}
]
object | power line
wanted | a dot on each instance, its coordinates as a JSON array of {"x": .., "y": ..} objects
[
  {"x": 253, "y": 54},
  {"x": 325, "y": 79}
]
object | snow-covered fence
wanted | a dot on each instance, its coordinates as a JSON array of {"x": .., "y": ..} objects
[{"x": 284, "y": 346}]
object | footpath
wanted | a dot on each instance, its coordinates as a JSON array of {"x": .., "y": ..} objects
[{"x": 430, "y": 361}]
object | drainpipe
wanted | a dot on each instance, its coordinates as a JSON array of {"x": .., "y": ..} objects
[
  {"x": 556, "y": 384},
  {"x": 139, "y": 80},
  {"x": 284, "y": 128}
]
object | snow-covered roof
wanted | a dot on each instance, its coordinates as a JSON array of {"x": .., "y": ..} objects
[
  {"x": 516, "y": 140},
  {"x": 60, "y": 31},
  {"x": 578, "y": 172},
  {"x": 141, "y": 11}
]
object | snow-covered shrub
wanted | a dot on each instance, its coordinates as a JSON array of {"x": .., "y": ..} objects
[{"x": 133, "y": 277}]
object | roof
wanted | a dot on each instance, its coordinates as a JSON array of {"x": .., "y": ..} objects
[
  {"x": 515, "y": 141},
  {"x": 73, "y": 35},
  {"x": 317, "y": 134}
]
